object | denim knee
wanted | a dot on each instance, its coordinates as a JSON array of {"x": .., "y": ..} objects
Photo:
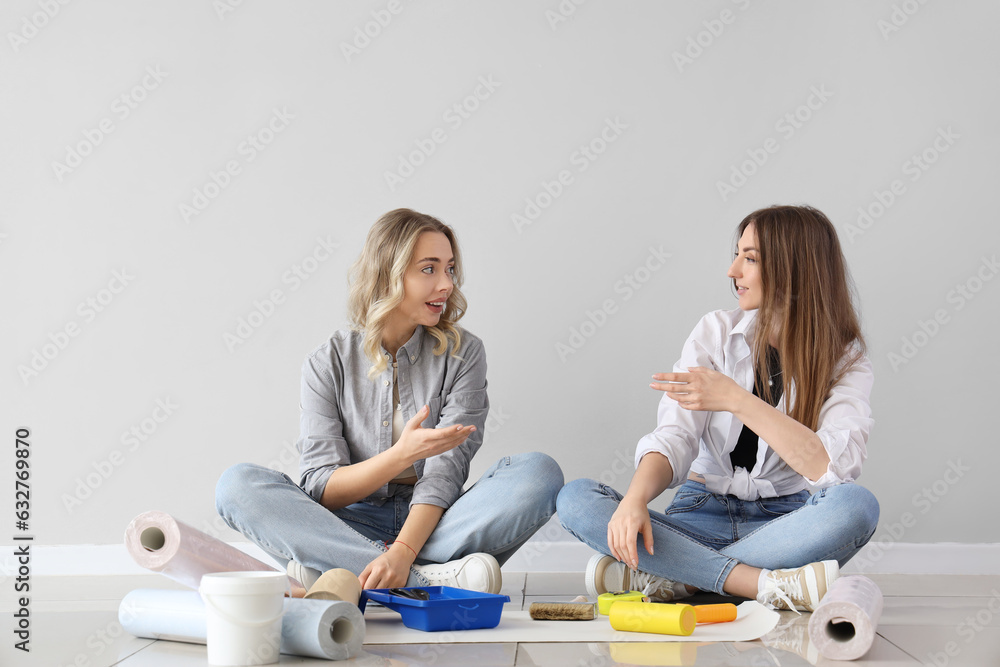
[
  {"x": 858, "y": 508},
  {"x": 574, "y": 498},
  {"x": 542, "y": 475},
  {"x": 234, "y": 485},
  {"x": 542, "y": 466}
]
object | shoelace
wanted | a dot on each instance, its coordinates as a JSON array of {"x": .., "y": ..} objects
[
  {"x": 774, "y": 589},
  {"x": 651, "y": 584}
]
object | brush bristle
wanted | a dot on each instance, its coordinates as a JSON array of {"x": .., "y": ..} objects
[{"x": 562, "y": 611}]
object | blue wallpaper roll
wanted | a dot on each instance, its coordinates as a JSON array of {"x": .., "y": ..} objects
[{"x": 328, "y": 629}]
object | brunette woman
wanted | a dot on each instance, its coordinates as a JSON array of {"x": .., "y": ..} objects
[{"x": 763, "y": 426}]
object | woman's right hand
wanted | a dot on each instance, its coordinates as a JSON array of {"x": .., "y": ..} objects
[
  {"x": 422, "y": 443},
  {"x": 629, "y": 520}
]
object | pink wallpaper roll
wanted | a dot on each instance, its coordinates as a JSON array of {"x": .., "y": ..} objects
[
  {"x": 161, "y": 543},
  {"x": 844, "y": 624}
]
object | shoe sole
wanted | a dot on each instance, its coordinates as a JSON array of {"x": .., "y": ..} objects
[
  {"x": 495, "y": 576},
  {"x": 594, "y": 578}
]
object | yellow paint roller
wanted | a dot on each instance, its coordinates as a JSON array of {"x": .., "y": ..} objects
[{"x": 658, "y": 618}]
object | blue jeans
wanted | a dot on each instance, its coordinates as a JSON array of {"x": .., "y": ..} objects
[
  {"x": 512, "y": 500},
  {"x": 702, "y": 536}
]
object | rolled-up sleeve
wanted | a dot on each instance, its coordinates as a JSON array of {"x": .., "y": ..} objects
[
  {"x": 678, "y": 431},
  {"x": 466, "y": 403},
  {"x": 845, "y": 422},
  {"x": 321, "y": 442}
]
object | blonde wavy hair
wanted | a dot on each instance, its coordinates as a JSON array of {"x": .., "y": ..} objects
[{"x": 376, "y": 283}]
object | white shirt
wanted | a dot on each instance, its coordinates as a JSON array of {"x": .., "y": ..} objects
[{"x": 700, "y": 441}]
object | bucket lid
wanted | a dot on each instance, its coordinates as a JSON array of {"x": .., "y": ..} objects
[{"x": 244, "y": 583}]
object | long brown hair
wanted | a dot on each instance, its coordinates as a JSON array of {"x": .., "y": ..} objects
[
  {"x": 376, "y": 282},
  {"x": 807, "y": 306}
]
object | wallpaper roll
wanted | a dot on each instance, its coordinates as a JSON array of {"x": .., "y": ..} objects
[
  {"x": 313, "y": 628},
  {"x": 161, "y": 543},
  {"x": 844, "y": 624},
  {"x": 336, "y": 584}
]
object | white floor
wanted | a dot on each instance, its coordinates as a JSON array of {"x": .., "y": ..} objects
[{"x": 928, "y": 620}]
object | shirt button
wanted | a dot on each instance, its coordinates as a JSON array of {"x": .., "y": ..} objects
[
  {"x": 387, "y": 383},
  {"x": 385, "y": 423},
  {"x": 413, "y": 358}
]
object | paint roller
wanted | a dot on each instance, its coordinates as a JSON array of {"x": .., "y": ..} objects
[{"x": 667, "y": 619}]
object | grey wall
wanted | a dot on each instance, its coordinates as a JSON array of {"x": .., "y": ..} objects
[{"x": 890, "y": 83}]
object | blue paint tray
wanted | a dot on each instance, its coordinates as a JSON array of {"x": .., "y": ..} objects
[{"x": 447, "y": 609}]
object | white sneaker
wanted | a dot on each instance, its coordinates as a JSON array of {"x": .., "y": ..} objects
[
  {"x": 302, "y": 574},
  {"x": 605, "y": 575},
  {"x": 800, "y": 588},
  {"x": 476, "y": 572}
]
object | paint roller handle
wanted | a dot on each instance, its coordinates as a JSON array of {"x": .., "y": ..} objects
[{"x": 715, "y": 613}]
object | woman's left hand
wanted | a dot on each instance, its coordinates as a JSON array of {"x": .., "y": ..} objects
[
  {"x": 700, "y": 389},
  {"x": 390, "y": 570}
]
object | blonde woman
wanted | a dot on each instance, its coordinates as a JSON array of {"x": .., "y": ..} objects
[
  {"x": 763, "y": 425},
  {"x": 392, "y": 412}
]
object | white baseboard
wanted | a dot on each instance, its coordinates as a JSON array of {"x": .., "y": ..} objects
[{"x": 535, "y": 556}]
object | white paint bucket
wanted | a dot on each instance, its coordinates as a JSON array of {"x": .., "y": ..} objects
[{"x": 243, "y": 616}]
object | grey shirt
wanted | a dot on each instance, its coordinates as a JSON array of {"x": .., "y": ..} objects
[{"x": 346, "y": 417}]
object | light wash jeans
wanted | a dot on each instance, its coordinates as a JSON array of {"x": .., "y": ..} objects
[
  {"x": 512, "y": 500},
  {"x": 702, "y": 536}
]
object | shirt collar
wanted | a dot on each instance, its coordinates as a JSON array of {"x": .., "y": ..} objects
[
  {"x": 414, "y": 345},
  {"x": 746, "y": 325}
]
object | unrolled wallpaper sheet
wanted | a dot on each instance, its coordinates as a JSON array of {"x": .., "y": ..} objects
[
  {"x": 383, "y": 626},
  {"x": 313, "y": 628},
  {"x": 161, "y": 543},
  {"x": 844, "y": 624}
]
